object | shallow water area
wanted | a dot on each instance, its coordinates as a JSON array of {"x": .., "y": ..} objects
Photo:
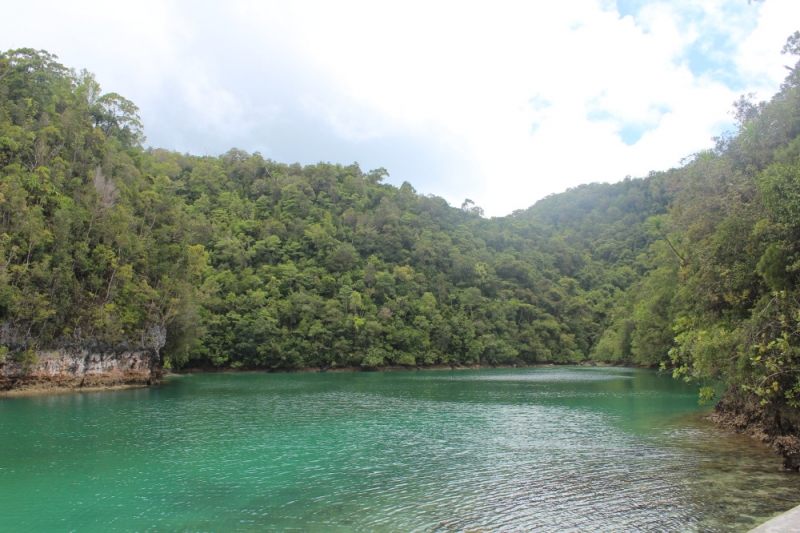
[{"x": 540, "y": 449}]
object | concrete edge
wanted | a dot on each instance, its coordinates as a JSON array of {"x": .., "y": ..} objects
[{"x": 788, "y": 522}]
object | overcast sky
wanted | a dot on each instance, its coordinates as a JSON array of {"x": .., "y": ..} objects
[{"x": 500, "y": 102}]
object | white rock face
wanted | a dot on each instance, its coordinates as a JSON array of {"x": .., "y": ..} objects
[{"x": 82, "y": 367}]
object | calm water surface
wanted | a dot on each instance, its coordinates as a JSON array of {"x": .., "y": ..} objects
[{"x": 546, "y": 449}]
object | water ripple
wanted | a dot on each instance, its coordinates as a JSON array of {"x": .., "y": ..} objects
[{"x": 508, "y": 450}]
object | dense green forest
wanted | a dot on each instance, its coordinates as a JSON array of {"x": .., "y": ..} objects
[{"x": 241, "y": 261}]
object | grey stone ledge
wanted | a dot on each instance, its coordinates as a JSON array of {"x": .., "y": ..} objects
[{"x": 788, "y": 522}]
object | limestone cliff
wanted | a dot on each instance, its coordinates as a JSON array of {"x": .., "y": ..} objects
[{"x": 81, "y": 367}]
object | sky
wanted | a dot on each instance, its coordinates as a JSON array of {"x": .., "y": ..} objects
[{"x": 502, "y": 102}]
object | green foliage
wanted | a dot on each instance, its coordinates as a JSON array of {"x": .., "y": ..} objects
[
  {"x": 92, "y": 241},
  {"x": 736, "y": 213},
  {"x": 240, "y": 261},
  {"x": 244, "y": 262},
  {"x": 26, "y": 358},
  {"x": 773, "y": 267},
  {"x": 706, "y": 395}
]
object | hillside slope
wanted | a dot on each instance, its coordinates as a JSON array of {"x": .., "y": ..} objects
[{"x": 240, "y": 261}]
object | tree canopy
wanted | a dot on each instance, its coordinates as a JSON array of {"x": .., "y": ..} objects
[{"x": 241, "y": 261}]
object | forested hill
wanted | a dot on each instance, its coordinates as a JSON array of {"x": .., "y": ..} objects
[{"x": 241, "y": 261}]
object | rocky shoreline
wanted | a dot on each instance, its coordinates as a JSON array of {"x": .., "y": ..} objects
[
  {"x": 80, "y": 368},
  {"x": 93, "y": 368},
  {"x": 777, "y": 425}
]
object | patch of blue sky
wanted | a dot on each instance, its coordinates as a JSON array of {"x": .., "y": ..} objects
[
  {"x": 599, "y": 115},
  {"x": 709, "y": 61},
  {"x": 539, "y": 102},
  {"x": 630, "y": 7},
  {"x": 710, "y": 55},
  {"x": 629, "y": 132}
]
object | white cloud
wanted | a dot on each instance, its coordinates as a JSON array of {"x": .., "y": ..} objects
[
  {"x": 503, "y": 102},
  {"x": 758, "y": 56}
]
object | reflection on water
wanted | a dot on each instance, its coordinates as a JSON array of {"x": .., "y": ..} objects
[{"x": 551, "y": 449}]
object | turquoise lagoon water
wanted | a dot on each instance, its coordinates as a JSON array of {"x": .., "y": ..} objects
[{"x": 544, "y": 449}]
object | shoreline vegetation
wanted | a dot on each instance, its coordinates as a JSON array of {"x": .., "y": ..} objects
[
  {"x": 390, "y": 368},
  {"x": 118, "y": 381},
  {"x": 239, "y": 261}
]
